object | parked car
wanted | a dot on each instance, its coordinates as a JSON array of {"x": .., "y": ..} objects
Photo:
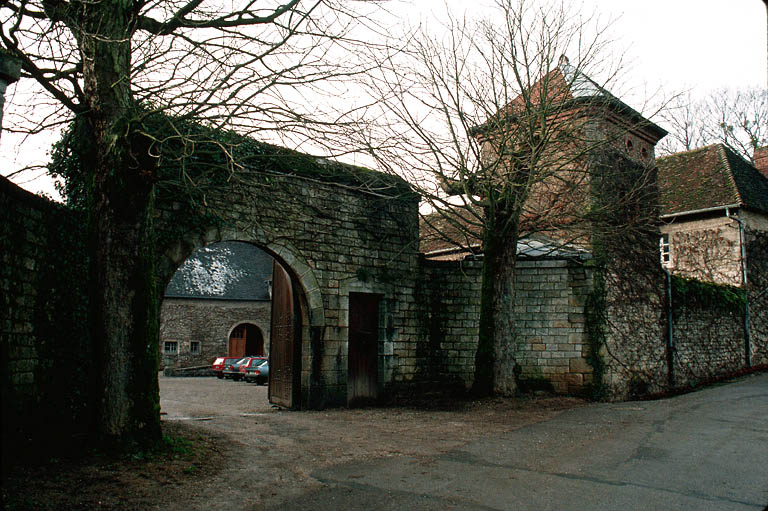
[
  {"x": 232, "y": 368},
  {"x": 257, "y": 370},
  {"x": 220, "y": 363}
]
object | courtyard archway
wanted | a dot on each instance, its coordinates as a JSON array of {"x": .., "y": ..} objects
[{"x": 332, "y": 235}]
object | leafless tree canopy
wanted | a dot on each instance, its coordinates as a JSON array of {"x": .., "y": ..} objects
[
  {"x": 250, "y": 66},
  {"x": 737, "y": 118},
  {"x": 481, "y": 119}
]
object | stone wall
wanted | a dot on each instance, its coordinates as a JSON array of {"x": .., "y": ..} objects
[
  {"x": 565, "y": 308},
  {"x": 708, "y": 342},
  {"x": 757, "y": 272},
  {"x": 452, "y": 314},
  {"x": 632, "y": 340},
  {"x": 550, "y": 321},
  {"x": 337, "y": 239},
  {"x": 550, "y": 338},
  {"x": 209, "y": 323},
  {"x": 44, "y": 342}
]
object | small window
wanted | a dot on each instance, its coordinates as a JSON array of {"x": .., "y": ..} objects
[
  {"x": 194, "y": 347},
  {"x": 170, "y": 347},
  {"x": 629, "y": 145},
  {"x": 644, "y": 153},
  {"x": 664, "y": 248}
]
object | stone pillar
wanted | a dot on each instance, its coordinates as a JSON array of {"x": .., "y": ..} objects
[{"x": 10, "y": 70}]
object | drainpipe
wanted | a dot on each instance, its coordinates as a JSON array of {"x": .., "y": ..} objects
[
  {"x": 742, "y": 242},
  {"x": 670, "y": 332}
]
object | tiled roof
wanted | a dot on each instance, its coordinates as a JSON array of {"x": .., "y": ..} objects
[
  {"x": 710, "y": 177},
  {"x": 229, "y": 270}
]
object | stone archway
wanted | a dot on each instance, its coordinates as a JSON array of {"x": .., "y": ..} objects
[
  {"x": 249, "y": 340},
  {"x": 325, "y": 234}
]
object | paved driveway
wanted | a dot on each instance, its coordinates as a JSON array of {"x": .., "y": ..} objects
[
  {"x": 706, "y": 450},
  {"x": 702, "y": 451}
]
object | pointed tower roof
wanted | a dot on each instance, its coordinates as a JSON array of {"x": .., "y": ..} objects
[{"x": 566, "y": 85}]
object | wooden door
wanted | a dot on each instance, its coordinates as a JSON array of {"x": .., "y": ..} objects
[
  {"x": 237, "y": 341},
  {"x": 284, "y": 342},
  {"x": 246, "y": 340},
  {"x": 363, "y": 349}
]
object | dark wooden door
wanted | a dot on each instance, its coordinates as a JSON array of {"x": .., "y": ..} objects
[
  {"x": 246, "y": 340},
  {"x": 284, "y": 342},
  {"x": 363, "y": 349},
  {"x": 236, "y": 345}
]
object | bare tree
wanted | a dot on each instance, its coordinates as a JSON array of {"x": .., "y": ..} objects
[
  {"x": 505, "y": 137},
  {"x": 736, "y": 118},
  {"x": 116, "y": 68}
]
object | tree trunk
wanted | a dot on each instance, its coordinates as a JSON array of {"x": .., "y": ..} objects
[
  {"x": 494, "y": 359},
  {"x": 505, "y": 364},
  {"x": 123, "y": 315},
  {"x": 123, "y": 306}
]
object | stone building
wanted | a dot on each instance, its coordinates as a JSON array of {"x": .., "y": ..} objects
[
  {"x": 557, "y": 269},
  {"x": 712, "y": 201},
  {"x": 217, "y": 303},
  {"x": 715, "y": 229}
]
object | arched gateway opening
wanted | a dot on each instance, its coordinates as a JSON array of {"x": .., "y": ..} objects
[{"x": 253, "y": 288}]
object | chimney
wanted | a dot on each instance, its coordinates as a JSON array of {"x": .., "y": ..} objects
[{"x": 761, "y": 160}]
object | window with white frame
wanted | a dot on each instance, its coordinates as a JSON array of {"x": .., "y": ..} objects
[
  {"x": 170, "y": 347},
  {"x": 664, "y": 249}
]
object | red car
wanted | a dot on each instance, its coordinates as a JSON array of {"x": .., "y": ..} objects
[{"x": 220, "y": 363}]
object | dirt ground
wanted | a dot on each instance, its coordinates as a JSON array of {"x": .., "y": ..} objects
[{"x": 227, "y": 448}]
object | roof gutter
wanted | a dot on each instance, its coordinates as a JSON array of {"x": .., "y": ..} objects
[{"x": 725, "y": 208}]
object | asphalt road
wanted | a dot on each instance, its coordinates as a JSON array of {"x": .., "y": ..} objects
[{"x": 706, "y": 450}]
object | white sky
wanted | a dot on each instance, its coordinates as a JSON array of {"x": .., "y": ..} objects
[{"x": 674, "y": 45}]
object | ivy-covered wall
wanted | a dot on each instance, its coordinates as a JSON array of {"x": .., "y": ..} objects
[
  {"x": 707, "y": 331},
  {"x": 44, "y": 342},
  {"x": 757, "y": 272}
]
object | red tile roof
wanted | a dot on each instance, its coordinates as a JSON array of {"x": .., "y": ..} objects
[{"x": 710, "y": 177}]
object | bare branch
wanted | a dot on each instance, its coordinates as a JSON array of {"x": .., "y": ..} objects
[{"x": 241, "y": 18}]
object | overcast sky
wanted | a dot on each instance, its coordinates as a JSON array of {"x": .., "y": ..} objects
[{"x": 673, "y": 44}]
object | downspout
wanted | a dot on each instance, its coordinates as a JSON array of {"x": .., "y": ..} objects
[
  {"x": 742, "y": 242},
  {"x": 670, "y": 332}
]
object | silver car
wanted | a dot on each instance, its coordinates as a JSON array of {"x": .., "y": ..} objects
[{"x": 257, "y": 370}]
